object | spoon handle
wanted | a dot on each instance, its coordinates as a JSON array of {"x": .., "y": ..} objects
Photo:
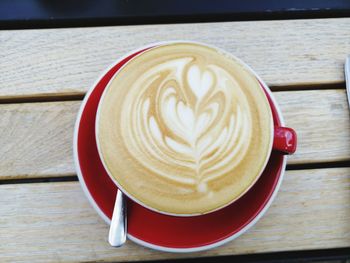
[
  {"x": 347, "y": 77},
  {"x": 118, "y": 228}
]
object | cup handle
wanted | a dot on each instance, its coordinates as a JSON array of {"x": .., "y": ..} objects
[{"x": 285, "y": 140}]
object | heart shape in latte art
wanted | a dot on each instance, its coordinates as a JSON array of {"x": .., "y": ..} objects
[{"x": 199, "y": 82}]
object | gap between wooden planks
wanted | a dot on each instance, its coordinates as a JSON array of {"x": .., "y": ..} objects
[
  {"x": 311, "y": 211},
  {"x": 49, "y": 62},
  {"x": 36, "y": 138}
]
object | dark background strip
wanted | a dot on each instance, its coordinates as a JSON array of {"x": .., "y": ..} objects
[
  {"x": 307, "y": 256},
  {"x": 21, "y": 14}
]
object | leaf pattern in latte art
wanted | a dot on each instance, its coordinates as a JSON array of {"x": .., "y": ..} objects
[{"x": 188, "y": 122}]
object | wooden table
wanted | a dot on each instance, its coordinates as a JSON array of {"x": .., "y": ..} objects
[{"x": 44, "y": 214}]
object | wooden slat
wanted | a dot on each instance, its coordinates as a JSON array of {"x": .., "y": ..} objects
[
  {"x": 36, "y": 138},
  {"x": 67, "y": 61},
  {"x": 48, "y": 222},
  {"x": 321, "y": 120}
]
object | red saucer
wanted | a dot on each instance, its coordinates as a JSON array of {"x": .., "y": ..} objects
[{"x": 162, "y": 232}]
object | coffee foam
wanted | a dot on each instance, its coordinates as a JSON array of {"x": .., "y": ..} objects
[
  {"x": 179, "y": 123},
  {"x": 192, "y": 120}
]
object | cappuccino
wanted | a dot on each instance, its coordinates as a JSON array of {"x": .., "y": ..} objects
[{"x": 184, "y": 128}]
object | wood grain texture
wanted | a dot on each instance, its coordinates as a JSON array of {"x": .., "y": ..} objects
[
  {"x": 36, "y": 138},
  {"x": 67, "y": 61},
  {"x": 51, "y": 222},
  {"x": 321, "y": 120}
]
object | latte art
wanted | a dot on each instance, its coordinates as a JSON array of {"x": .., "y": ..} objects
[
  {"x": 184, "y": 129},
  {"x": 182, "y": 114}
]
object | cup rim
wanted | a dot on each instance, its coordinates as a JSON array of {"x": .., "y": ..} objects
[{"x": 150, "y": 46}]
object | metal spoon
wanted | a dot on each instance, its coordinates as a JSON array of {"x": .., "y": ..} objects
[
  {"x": 118, "y": 228},
  {"x": 347, "y": 77}
]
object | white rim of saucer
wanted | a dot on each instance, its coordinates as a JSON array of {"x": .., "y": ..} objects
[{"x": 139, "y": 241}]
